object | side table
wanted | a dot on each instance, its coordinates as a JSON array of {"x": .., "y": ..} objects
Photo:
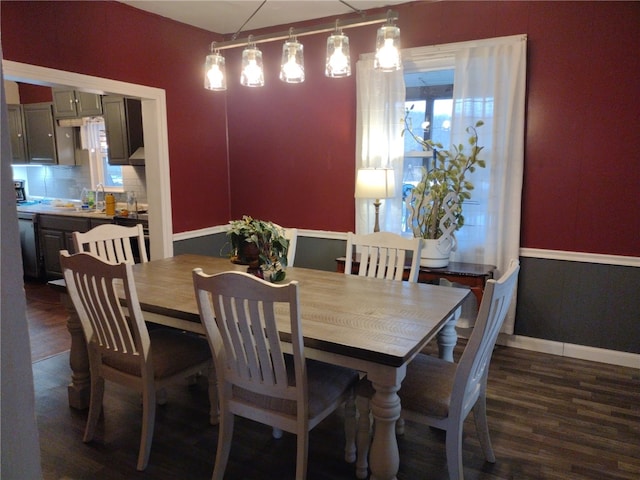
[{"x": 472, "y": 275}]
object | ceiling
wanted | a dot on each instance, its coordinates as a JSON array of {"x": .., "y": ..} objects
[{"x": 227, "y": 17}]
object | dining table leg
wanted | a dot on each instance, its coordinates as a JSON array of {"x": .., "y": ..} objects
[
  {"x": 448, "y": 337},
  {"x": 79, "y": 390},
  {"x": 384, "y": 458}
]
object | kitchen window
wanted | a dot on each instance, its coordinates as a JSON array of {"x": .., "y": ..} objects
[{"x": 101, "y": 171}]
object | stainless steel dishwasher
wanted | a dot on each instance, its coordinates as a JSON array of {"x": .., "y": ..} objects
[{"x": 28, "y": 223}]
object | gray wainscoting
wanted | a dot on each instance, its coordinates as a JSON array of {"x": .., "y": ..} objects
[{"x": 587, "y": 304}]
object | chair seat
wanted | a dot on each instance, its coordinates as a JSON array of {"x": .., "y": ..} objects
[
  {"x": 431, "y": 383},
  {"x": 173, "y": 351},
  {"x": 326, "y": 384}
]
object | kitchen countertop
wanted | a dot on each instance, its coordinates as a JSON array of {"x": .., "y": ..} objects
[{"x": 43, "y": 208}]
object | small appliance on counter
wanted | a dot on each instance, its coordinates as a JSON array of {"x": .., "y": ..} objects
[{"x": 21, "y": 195}]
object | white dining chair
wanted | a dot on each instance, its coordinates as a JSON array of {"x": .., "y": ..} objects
[
  {"x": 383, "y": 255},
  {"x": 243, "y": 316},
  {"x": 115, "y": 243},
  {"x": 441, "y": 394},
  {"x": 112, "y": 242},
  {"x": 291, "y": 234},
  {"x": 120, "y": 347}
]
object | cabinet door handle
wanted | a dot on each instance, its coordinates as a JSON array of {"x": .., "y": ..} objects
[{"x": 49, "y": 134}]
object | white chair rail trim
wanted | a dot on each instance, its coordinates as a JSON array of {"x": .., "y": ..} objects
[{"x": 583, "y": 257}]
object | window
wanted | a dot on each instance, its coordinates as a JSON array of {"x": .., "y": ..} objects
[
  {"x": 490, "y": 86},
  {"x": 101, "y": 171}
]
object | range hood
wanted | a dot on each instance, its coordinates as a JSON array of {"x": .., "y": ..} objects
[
  {"x": 71, "y": 122},
  {"x": 137, "y": 157}
]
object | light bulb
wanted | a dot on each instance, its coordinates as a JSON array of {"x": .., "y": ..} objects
[
  {"x": 292, "y": 66},
  {"x": 338, "y": 62},
  {"x": 387, "y": 56},
  {"x": 215, "y": 76},
  {"x": 252, "y": 71}
]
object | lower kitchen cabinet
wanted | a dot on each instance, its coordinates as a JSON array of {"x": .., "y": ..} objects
[
  {"x": 55, "y": 233},
  {"x": 29, "y": 245}
]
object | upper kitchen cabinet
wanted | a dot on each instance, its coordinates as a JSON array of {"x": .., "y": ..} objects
[
  {"x": 73, "y": 104},
  {"x": 47, "y": 143},
  {"x": 123, "y": 126},
  {"x": 17, "y": 134}
]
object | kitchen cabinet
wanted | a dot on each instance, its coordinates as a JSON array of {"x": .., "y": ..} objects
[
  {"x": 69, "y": 103},
  {"x": 55, "y": 234},
  {"x": 123, "y": 127},
  {"x": 47, "y": 143},
  {"x": 131, "y": 221},
  {"x": 17, "y": 134},
  {"x": 29, "y": 244}
]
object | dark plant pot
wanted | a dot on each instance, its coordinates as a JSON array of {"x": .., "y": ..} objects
[
  {"x": 255, "y": 269},
  {"x": 244, "y": 253}
]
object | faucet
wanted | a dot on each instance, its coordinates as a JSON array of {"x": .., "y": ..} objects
[{"x": 99, "y": 206}]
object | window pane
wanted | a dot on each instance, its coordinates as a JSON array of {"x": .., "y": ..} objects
[
  {"x": 429, "y": 101},
  {"x": 441, "y": 125}
]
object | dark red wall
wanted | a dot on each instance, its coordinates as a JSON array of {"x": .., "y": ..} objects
[
  {"x": 291, "y": 147},
  {"x": 34, "y": 93},
  {"x": 112, "y": 40}
]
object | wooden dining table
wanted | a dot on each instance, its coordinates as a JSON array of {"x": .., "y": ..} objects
[{"x": 372, "y": 325}]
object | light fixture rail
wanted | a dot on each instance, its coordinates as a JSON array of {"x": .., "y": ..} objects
[{"x": 299, "y": 32}]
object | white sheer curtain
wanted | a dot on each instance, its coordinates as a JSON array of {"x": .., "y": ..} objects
[
  {"x": 380, "y": 108},
  {"x": 90, "y": 138},
  {"x": 490, "y": 79},
  {"x": 489, "y": 85}
]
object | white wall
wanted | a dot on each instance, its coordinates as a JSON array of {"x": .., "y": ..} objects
[{"x": 19, "y": 443}]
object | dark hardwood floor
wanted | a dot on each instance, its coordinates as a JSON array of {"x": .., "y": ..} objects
[
  {"x": 47, "y": 321},
  {"x": 550, "y": 418}
]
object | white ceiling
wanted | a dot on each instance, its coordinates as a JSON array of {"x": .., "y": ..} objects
[{"x": 227, "y": 17}]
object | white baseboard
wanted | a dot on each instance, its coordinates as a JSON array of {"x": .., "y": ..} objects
[{"x": 613, "y": 357}]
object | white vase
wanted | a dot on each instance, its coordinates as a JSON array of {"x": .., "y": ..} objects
[{"x": 435, "y": 252}]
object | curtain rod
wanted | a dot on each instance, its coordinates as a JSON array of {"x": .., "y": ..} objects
[{"x": 326, "y": 27}]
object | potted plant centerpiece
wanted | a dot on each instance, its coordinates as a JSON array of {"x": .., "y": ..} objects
[
  {"x": 435, "y": 204},
  {"x": 261, "y": 245}
]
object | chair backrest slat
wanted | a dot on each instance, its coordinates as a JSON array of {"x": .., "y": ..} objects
[
  {"x": 241, "y": 312},
  {"x": 94, "y": 286},
  {"x": 383, "y": 255},
  {"x": 112, "y": 242}
]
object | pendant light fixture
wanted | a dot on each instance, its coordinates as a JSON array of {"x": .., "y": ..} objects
[
  {"x": 252, "y": 69},
  {"x": 292, "y": 65},
  {"x": 388, "y": 47},
  {"x": 215, "y": 75},
  {"x": 338, "y": 63}
]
